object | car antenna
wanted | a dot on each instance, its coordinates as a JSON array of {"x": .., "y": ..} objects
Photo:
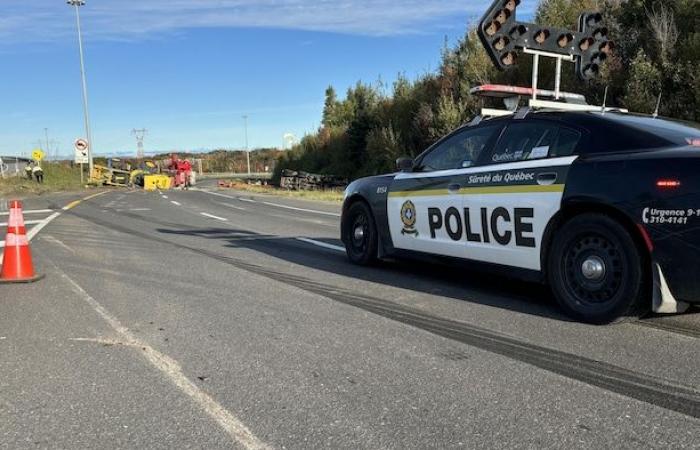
[
  {"x": 605, "y": 100},
  {"x": 658, "y": 106}
]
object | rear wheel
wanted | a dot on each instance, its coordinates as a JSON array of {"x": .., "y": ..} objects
[
  {"x": 360, "y": 234},
  {"x": 596, "y": 270}
]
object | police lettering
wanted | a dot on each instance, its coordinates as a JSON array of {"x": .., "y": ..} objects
[{"x": 498, "y": 225}]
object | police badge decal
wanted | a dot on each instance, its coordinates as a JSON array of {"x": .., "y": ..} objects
[{"x": 408, "y": 217}]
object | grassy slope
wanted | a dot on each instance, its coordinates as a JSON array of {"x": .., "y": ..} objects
[{"x": 56, "y": 178}]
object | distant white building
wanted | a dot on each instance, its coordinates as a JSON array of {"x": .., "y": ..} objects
[{"x": 11, "y": 166}]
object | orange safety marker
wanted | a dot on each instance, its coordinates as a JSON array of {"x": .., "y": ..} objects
[{"x": 17, "y": 266}]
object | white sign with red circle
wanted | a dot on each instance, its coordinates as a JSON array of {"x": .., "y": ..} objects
[{"x": 81, "y": 151}]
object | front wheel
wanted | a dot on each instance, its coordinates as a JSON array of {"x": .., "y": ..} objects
[
  {"x": 596, "y": 270},
  {"x": 360, "y": 234}
]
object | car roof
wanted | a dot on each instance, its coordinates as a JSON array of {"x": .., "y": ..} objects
[{"x": 615, "y": 131}]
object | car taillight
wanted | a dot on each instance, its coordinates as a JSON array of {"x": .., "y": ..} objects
[
  {"x": 668, "y": 184},
  {"x": 695, "y": 142}
]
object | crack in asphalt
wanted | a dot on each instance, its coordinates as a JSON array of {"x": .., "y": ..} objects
[{"x": 672, "y": 396}]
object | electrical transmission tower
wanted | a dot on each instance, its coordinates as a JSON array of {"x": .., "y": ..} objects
[{"x": 140, "y": 135}]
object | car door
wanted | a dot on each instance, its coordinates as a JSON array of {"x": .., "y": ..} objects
[
  {"x": 516, "y": 190},
  {"x": 425, "y": 206}
]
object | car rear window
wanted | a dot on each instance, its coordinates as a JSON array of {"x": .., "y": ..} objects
[{"x": 673, "y": 131}]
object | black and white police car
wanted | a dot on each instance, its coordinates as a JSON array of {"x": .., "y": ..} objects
[{"x": 601, "y": 205}]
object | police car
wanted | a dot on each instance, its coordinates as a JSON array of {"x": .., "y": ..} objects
[{"x": 602, "y": 206}]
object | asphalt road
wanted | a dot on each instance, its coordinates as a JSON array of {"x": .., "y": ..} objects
[{"x": 228, "y": 320}]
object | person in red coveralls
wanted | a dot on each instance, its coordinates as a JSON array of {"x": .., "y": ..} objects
[{"x": 183, "y": 171}]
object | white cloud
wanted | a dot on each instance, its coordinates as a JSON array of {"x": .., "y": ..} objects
[{"x": 46, "y": 20}]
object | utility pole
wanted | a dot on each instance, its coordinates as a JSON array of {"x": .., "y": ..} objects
[
  {"x": 140, "y": 135},
  {"x": 247, "y": 150},
  {"x": 77, "y": 4}
]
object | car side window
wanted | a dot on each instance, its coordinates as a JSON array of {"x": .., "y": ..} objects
[
  {"x": 566, "y": 143},
  {"x": 459, "y": 151},
  {"x": 534, "y": 140}
]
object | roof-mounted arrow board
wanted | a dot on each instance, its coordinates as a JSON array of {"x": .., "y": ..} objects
[{"x": 502, "y": 36}]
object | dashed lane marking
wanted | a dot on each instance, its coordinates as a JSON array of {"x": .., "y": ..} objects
[
  {"x": 336, "y": 248},
  {"x": 172, "y": 370},
  {"x": 176, "y": 203},
  {"x": 211, "y": 216},
  {"x": 247, "y": 200},
  {"x": 72, "y": 205},
  {"x": 228, "y": 205}
]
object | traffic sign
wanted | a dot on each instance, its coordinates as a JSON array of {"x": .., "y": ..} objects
[
  {"x": 81, "y": 151},
  {"x": 37, "y": 155},
  {"x": 81, "y": 144}
]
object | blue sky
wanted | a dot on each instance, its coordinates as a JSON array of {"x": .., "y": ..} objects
[{"x": 187, "y": 70}]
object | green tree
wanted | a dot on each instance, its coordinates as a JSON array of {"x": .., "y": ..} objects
[
  {"x": 657, "y": 49},
  {"x": 644, "y": 84}
]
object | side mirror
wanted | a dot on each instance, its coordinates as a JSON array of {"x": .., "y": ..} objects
[{"x": 404, "y": 164}]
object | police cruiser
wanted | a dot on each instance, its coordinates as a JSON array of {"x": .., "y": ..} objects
[{"x": 602, "y": 205}]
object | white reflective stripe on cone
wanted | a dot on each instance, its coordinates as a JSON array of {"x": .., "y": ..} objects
[
  {"x": 16, "y": 219},
  {"x": 13, "y": 240}
]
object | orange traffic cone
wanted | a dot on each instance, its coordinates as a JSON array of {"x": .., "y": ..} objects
[{"x": 17, "y": 264}]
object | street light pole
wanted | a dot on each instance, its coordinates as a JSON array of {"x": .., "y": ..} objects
[
  {"x": 78, "y": 4},
  {"x": 247, "y": 150}
]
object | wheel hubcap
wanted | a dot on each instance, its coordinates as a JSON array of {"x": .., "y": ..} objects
[
  {"x": 593, "y": 268},
  {"x": 359, "y": 233}
]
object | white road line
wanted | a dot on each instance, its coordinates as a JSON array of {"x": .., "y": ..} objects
[
  {"x": 337, "y": 248},
  {"x": 165, "y": 197},
  {"x": 57, "y": 242},
  {"x": 175, "y": 203},
  {"x": 26, "y": 222},
  {"x": 219, "y": 195},
  {"x": 172, "y": 370},
  {"x": 31, "y": 211},
  {"x": 228, "y": 205},
  {"x": 211, "y": 216},
  {"x": 276, "y": 205},
  {"x": 34, "y": 231},
  {"x": 138, "y": 209},
  {"x": 40, "y": 226}
]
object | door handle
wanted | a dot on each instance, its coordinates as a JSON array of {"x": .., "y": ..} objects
[
  {"x": 546, "y": 179},
  {"x": 454, "y": 188}
]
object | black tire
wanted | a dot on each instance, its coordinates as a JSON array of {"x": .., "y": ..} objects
[
  {"x": 360, "y": 246},
  {"x": 597, "y": 272}
]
